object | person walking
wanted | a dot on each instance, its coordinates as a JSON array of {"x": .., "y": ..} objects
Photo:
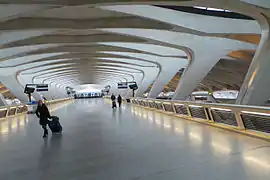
[
  {"x": 43, "y": 114},
  {"x": 113, "y": 98},
  {"x": 119, "y": 100}
]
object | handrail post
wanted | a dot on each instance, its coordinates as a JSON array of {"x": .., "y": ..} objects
[
  {"x": 173, "y": 106},
  {"x": 239, "y": 119},
  {"x": 206, "y": 114},
  {"x": 7, "y": 112},
  {"x": 188, "y": 110},
  {"x": 16, "y": 110},
  {"x": 163, "y": 108},
  {"x": 211, "y": 115}
]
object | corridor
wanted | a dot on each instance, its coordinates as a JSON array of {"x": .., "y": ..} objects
[{"x": 130, "y": 143}]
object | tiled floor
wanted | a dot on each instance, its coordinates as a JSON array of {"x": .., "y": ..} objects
[{"x": 127, "y": 144}]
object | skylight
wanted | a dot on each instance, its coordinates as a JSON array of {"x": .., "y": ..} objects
[{"x": 211, "y": 9}]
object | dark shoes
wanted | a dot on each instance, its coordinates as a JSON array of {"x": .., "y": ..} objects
[{"x": 45, "y": 135}]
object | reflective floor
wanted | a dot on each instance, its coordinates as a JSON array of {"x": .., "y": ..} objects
[{"x": 127, "y": 144}]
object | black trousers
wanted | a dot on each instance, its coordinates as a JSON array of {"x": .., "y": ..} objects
[
  {"x": 119, "y": 104},
  {"x": 44, "y": 127}
]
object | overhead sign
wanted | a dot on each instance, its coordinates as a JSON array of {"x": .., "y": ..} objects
[
  {"x": 28, "y": 90},
  {"x": 122, "y": 85},
  {"x": 42, "y": 87},
  {"x": 42, "y": 90},
  {"x": 133, "y": 85}
]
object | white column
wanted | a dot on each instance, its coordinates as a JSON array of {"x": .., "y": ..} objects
[
  {"x": 255, "y": 89},
  {"x": 2, "y": 100},
  {"x": 194, "y": 74},
  {"x": 168, "y": 71},
  {"x": 15, "y": 88},
  {"x": 149, "y": 78},
  {"x": 162, "y": 80}
]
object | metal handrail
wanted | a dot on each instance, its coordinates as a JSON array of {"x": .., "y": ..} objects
[
  {"x": 7, "y": 110},
  {"x": 251, "y": 120},
  {"x": 258, "y": 109},
  {"x": 57, "y": 101}
]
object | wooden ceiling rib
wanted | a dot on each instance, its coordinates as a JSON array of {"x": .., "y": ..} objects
[
  {"x": 245, "y": 55},
  {"x": 6, "y": 92}
]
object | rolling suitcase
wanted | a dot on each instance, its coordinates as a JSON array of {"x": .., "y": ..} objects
[
  {"x": 55, "y": 125},
  {"x": 114, "y": 104}
]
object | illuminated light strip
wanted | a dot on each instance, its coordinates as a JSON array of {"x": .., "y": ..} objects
[
  {"x": 200, "y": 7},
  {"x": 194, "y": 106},
  {"x": 221, "y": 109},
  {"x": 3, "y": 109},
  {"x": 255, "y": 113},
  {"x": 167, "y": 103},
  {"x": 179, "y": 104}
]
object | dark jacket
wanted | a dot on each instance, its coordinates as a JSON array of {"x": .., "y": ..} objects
[
  {"x": 113, "y": 97},
  {"x": 119, "y": 99},
  {"x": 43, "y": 113}
]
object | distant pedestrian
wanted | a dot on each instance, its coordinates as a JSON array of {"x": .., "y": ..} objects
[
  {"x": 113, "y": 98},
  {"x": 119, "y": 100}
]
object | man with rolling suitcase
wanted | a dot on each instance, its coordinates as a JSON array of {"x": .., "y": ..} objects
[
  {"x": 113, "y": 98},
  {"x": 43, "y": 114}
]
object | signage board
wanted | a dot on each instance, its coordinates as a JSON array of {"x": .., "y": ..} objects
[
  {"x": 122, "y": 85},
  {"x": 42, "y": 87}
]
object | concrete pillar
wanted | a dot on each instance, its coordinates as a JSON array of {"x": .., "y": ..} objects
[
  {"x": 15, "y": 88},
  {"x": 168, "y": 71},
  {"x": 255, "y": 89},
  {"x": 148, "y": 79},
  {"x": 2, "y": 100},
  {"x": 194, "y": 74},
  {"x": 162, "y": 80}
]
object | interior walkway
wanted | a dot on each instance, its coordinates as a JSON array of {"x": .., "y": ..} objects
[{"x": 127, "y": 144}]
